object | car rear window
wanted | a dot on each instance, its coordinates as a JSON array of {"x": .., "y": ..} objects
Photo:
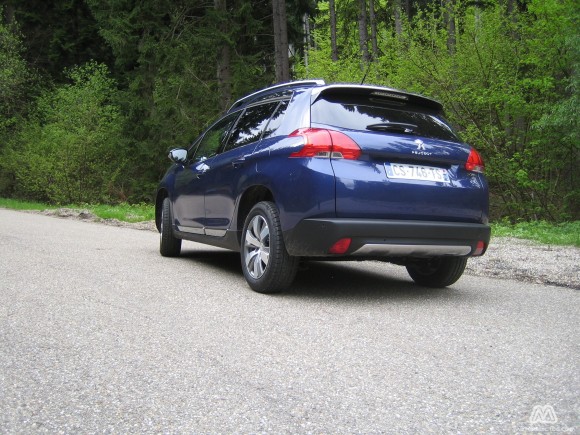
[{"x": 358, "y": 113}]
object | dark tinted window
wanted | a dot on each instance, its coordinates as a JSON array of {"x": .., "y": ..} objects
[
  {"x": 357, "y": 115},
  {"x": 251, "y": 125},
  {"x": 276, "y": 120},
  {"x": 281, "y": 94},
  {"x": 214, "y": 138}
]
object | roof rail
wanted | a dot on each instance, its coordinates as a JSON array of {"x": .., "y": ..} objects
[{"x": 280, "y": 87}]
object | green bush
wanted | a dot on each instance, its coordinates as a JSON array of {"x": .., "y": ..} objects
[{"x": 71, "y": 150}]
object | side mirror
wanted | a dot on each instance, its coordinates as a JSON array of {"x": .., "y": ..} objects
[{"x": 178, "y": 155}]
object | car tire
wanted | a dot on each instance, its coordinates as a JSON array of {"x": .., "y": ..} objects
[
  {"x": 437, "y": 272},
  {"x": 267, "y": 266},
  {"x": 169, "y": 245}
]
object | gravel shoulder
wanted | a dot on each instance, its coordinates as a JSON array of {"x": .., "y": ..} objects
[
  {"x": 525, "y": 260},
  {"x": 506, "y": 258}
]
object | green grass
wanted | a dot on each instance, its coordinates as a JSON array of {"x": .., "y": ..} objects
[
  {"x": 122, "y": 212},
  {"x": 566, "y": 234},
  {"x": 16, "y": 204}
]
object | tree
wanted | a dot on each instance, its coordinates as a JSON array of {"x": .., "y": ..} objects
[
  {"x": 373, "y": 21},
  {"x": 58, "y": 35},
  {"x": 281, "y": 58},
  {"x": 17, "y": 88},
  {"x": 224, "y": 74},
  {"x": 16, "y": 78},
  {"x": 363, "y": 36},
  {"x": 334, "y": 49},
  {"x": 397, "y": 16},
  {"x": 449, "y": 18}
]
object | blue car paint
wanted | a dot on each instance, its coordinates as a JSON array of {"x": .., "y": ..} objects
[
  {"x": 188, "y": 196},
  {"x": 225, "y": 181}
]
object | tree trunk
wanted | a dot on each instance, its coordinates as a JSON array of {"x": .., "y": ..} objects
[
  {"x": 282, "y": 61},
  {"x": 373, "y": 20},
  {"x": 9, "y": 13},
  {"x": 511, "y": 11},
  {"x": 449, "y": 17},
  {"x": 224, "y": 73},
  {"x": 397, "y": 15},
  {"x": 363, "y": 35},
  {"x": 306, "y": 29},
  {"x": 477, "y": 19},
  {"x": 508, "y": 6},
  {"x": 408, "y": 10},
  {"x": 333, "y": 45}
]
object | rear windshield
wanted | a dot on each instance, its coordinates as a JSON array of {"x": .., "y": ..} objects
[{"x": 358, "y": 114}]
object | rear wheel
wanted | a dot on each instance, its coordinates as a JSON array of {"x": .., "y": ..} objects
[
  {"x": 169, "y": 245},
  {"x": 437, "y": 272},
  {"x": 266, "y": 264}
]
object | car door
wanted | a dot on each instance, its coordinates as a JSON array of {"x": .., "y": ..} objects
[
  {"x": 191, "y": 181},
  {"x": 232, "y": 166}
]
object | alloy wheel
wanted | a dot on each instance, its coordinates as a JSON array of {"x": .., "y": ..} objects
[{"x": 257, "y": 247}]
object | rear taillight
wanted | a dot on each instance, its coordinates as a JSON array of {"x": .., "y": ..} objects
[
  {"x": 323, "y": 143},
  {"x": 475, "y": 162},
  {"x": 480, "y": 249}
]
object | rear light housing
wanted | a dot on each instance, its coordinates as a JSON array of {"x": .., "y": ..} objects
[
  {"x": 480, "y": 249},
  {"x": 341, "y": 246},
  {"x": 475, "y": 162},
  {"x": 322, "y": 143}
]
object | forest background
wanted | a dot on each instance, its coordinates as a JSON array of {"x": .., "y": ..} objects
[{"x": 93, "y": 93}]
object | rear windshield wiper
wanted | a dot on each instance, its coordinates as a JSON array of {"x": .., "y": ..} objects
[{"x": 393, "y": 126}]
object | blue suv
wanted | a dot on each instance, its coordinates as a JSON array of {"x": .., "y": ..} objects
[{"x": 307, "y": 170}]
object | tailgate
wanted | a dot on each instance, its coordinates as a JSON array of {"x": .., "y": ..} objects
[{"x": 406, "y": 177}]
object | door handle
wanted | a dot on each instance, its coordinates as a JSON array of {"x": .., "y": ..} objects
[
  {"x": 201, "y": 170},
  {"x": 238, "y": 162},
  {"x": 200, "y": 173}
]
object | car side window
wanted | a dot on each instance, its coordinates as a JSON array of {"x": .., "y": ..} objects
[
  {"x": 214, "y": 138},
  {"x": 251, "y": 125},
  {"x": 276, "y": 119}
]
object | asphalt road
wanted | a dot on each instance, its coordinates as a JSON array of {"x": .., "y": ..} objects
[{"x": 99, "y": 333}]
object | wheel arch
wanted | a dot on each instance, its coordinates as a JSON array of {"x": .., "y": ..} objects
[{"x": 251, "y": 196}]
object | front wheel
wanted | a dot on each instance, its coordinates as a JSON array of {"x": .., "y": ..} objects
[
  {"x": 267, "y": 266},
  {"x": 169, "y": 245},
  {"x": 437, "y": 272}
]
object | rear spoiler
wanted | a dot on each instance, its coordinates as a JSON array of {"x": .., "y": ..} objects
[{"x": 389, "y": 94}]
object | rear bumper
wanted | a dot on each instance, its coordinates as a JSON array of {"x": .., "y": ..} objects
[{"x": 386, "y": 238}]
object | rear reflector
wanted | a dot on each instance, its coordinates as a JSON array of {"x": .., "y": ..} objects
[
  {"x": 480, "y": 249},
  {"x": 475, "y": 162},
  {"x": 321, "y": 143},
  {"x": 341, "y": 246}
]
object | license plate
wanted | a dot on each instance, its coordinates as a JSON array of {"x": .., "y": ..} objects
[{"x": 416, "y": 172}]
